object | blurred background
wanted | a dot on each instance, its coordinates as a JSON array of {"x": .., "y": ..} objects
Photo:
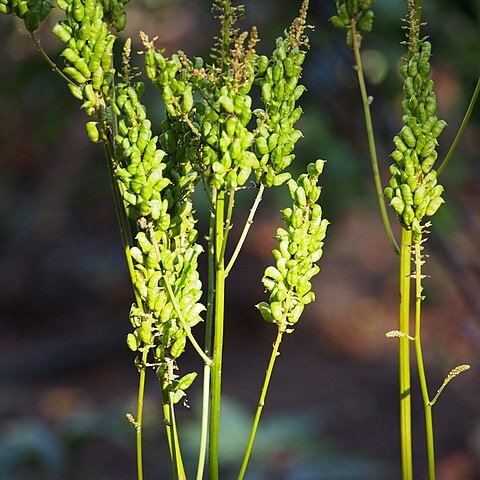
[{"x": 67, "y": 378}]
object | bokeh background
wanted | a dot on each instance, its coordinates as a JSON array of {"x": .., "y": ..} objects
[{"x": 66, "y": 376}]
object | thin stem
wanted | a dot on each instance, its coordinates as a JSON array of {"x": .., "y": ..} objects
[
  {"x": 173, "y": 298},
  {"x": 178, "y": 468},
  {"x": 218, "y": 336},
  {"x": 139, "y": 419},
  {"x": 461, "y": 130},
  {"x": 404, "y": 357},
  {"x": 228, "y": 220},
  {"x": 371, "y": 139},
  {"x": 246, "y": 228},
  {"x": 211, "y": 278},
  {"x": 121, "y": 218},
  {"x": 261, "y": 403},
  {"x": 204, "y": 424},
  {"x": 50, "y": 62},
  {"x": 420, "y": 363}
]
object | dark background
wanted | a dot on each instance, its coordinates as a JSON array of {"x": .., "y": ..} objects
[{"x": 66, "y": 376}]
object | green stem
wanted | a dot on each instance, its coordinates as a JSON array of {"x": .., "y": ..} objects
[
  {"x": 211, "y": 279},
  {"x": 404, "y": 357},
  {"x": 204, "y": 424},
  {"x": 178, "y": 468},
  {"x": 228, "y": 221},
  {"x": 218, "y": 335},
  {"x": 139, "y": 419},
  {"x": 246, "y": 228},
  {"x": 50, "y": 62},
  {"x": 420, "y": 363},
  {"x": 261, "y": 403},
  {"x": 463, "y": 125},
  {"x": 371, "y": 139}
]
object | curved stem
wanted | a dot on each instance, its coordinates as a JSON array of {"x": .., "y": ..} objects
[
  {"x": 404, "y": 357},
  {"x": 204, "y": 424},
  {"x": 427, "y": 406},
  {"x": 371, "y": 139},
  {"x": 172, "y": 297},
  {"x": 261, "y": 403},
  {"x": 246, "y": 228},
  {"x": 461, "y": 130},
  {"x": 50, "y": 62}
]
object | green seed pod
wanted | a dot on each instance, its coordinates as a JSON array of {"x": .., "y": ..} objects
[
  {"x": 262, "y": 64},
  {"x": 76, "y": 91},
  {"x": 434, "y": 205},
  {"x": 277, "y": 311},
  {"x": 266, "y": 312},
  {"x": 408, "y": 136},
  {"x": 187, "y": 99},
  {"x": 397, "y": 155},
  {"x": 406, "y": 194},
  {"x": 438, "y": 127},
  {"x": 227, "y": 103},
  {"x": 419, "y": 195},
  {"x": 366, "y": 22},
  {"x": 78, "y": 11},
  {"x": 408, "y": 215},
  {"x": 178, "y": 347},
  {"x": 73, "y": 73},
  {"x": 92, "y": 131},
  {"x": 401, "y": 147},
  {"x": 398, "y": 204},
  {"x": 132, "y": 342},
  {"x": 413, "y": 67}
]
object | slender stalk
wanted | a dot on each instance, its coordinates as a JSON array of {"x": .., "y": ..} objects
[
  {"x": 204, "y": 424},
  {"x": 50, "y": 62},
  {"x": 404, "y": 357},
  {"x": 463, "y": 125},
  {"x": 218, "y": 336},
  {"x": 245, "y": 230},
  {"x": 178, "y": 468},
  {"x": 211, "y": 278},
  {"x": 228, "y": 221},
  {"x": 371, "y": 139},
  {"x": 420, "y": 364},
  {"x": 261, "y": 403},
  {"x": 139, "y": 419}
]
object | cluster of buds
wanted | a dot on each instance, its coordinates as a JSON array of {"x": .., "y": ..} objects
[
  {"x": 299, "y": 249},
  {"x": 413, "y": 190},
  {"x": 277, "y": 135},
  {"x": 88, "y": 37},
  {"x": 32, "y": 12},
  {"x": 357, "y": 12},
  {"x": 165, "y": 252},
  {"x": 215, "y": 107}
]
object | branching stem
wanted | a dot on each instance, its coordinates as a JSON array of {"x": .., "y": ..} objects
[
  {"x": 50, "y": 62},
  {"x": 245, "y": 230}
]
